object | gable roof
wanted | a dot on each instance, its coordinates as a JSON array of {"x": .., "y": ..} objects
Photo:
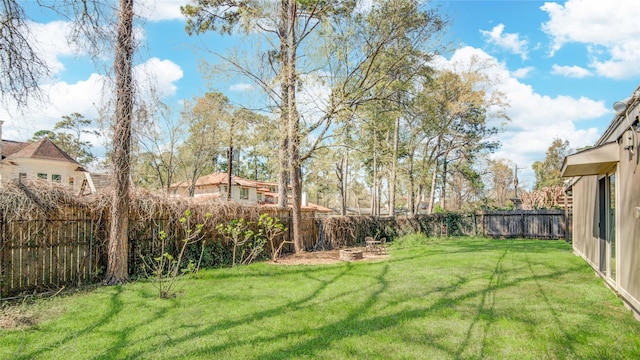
[
  {"x": 43, "y": 149},
  {"x": 10, "y": 147}
]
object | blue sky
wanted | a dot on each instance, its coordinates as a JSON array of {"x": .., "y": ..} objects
[{"x": 560, "y": 64}]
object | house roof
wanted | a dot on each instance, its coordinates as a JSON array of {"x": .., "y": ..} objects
[
  {"x": 593, "y": 161},
  {"x": 43, "y": 149},
  {"x": 319, "y": 208},
  {"x": 217, "y": 178},
  {"x": 10, "y": 147},
  {"x": 308, "y": 207}
]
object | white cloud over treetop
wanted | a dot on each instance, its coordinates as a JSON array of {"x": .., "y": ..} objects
[
  {"x": 610, "y": 31},
  {"x": 161, "y": 74},
  {"x": 84, "y": 97},
  {"x": 536, "y": 119},
  {"x": 507, "y": 41},
  {"x": 159, "y": 10}
]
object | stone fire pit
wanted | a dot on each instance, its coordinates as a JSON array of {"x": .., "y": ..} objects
[{"x": 350, "y": 254}]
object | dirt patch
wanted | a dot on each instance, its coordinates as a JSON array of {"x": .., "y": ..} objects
[
  {"x": 324, "y": 257},
  {"x": 15, "y": 320}
]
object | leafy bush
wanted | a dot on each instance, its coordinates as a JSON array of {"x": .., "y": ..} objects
[
  {"x": 164, "y": 269},
  {"x": 272, "y": 229}
]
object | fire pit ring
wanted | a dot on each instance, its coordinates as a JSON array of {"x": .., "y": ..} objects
[{"x": 350, "y": 254}]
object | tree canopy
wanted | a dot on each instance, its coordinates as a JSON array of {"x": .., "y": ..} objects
[{"x": 548, "y": 172}]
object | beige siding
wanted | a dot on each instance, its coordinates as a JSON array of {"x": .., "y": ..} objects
[
  {"x": 628, "y": 233},
  {"x": 585, "y": 218},
  {"x": 627, "y": 228},
  {"x": 31, "y": 167}
]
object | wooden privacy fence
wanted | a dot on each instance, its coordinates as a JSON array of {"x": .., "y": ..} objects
[
  {"x": 530, "y": 224},
  {"x": 70, "y": 248},
  {"x": 36, "y": 254}
]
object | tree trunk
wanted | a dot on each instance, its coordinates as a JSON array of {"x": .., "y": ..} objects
[
  {"x": 394, "y": 169},
  {"x": 229, "y": 170},
  {"x": 283, "y": 151},
  {"x": 345, "y": 187},
  {"x": 374, "y": 187},
  {"x": 412, "y": 195},
  {"x": 432, "y": 195},
  {"x": 444, "y": 184},
  {"x": 341, "y": 188},
  {"x": 117, "y": 262},
  {"x": 294, "y": 133}
]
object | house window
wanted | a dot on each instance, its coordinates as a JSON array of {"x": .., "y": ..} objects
[
  {"x": 244, "y": 193},
  {"x": 56, "y": 178},
  {"x": 22, "y": 177},
  {"x": 70, "y": 181},
  {"x": 259, "y": 197},
  {"x": 43, "y": 176}
]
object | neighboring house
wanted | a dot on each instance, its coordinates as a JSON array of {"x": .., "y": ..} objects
[
  {"x": 605, "y": 184},
  {"x": 38, "y": 160},
  {"x": 45, "y": 161},
  {"x": 214, "y": 186}
]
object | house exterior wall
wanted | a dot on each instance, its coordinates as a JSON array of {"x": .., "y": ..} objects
[
  {"x": 628, "y": 229},
  {"x": 31, "y": 167},
  {"x": 624, "y": 277},
  {"x": 585, "y": 219},
  {"x": 236, "y": 191}
]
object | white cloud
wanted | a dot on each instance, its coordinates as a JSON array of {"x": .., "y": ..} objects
[
  {"x": 570, "y": 71},
  {"x": 610, "y": 32},
  {"x": 241, "y": 87},
  {"x": 161, "y": 74},
  {"x": 536, "y": 119},
  {"x": 50, "y": 40},
  {"x": 83, "y": 97},
  {"x": 159, "y": 10},
  {"x": 522, "y": 72},
  {"x": 63, "y": 99},
  {"x": 508, "y": 41}
]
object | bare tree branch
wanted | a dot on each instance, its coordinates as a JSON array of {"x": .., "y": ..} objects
[{"x": 21, "y": 66}]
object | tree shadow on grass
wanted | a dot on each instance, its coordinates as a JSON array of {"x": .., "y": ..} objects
[
  {"x": 112, "y": 314},
  {"x": 358, "y": 323},
  {"x": 115, "y": 307},
  {"x": 256, "y": 317}
]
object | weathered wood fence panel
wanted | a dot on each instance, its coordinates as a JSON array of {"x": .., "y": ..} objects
[
  {"x": 533, "y": 224},
  {"x": 37, "y": 254}
]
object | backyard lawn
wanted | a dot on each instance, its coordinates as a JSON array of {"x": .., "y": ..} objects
[{"x": 430, "y": 299}]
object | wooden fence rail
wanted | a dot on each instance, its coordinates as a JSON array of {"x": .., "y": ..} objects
[{"x": 37, "y": 255}]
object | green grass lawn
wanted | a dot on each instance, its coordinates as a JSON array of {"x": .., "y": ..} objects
[{"x": 431, "y": 299}]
